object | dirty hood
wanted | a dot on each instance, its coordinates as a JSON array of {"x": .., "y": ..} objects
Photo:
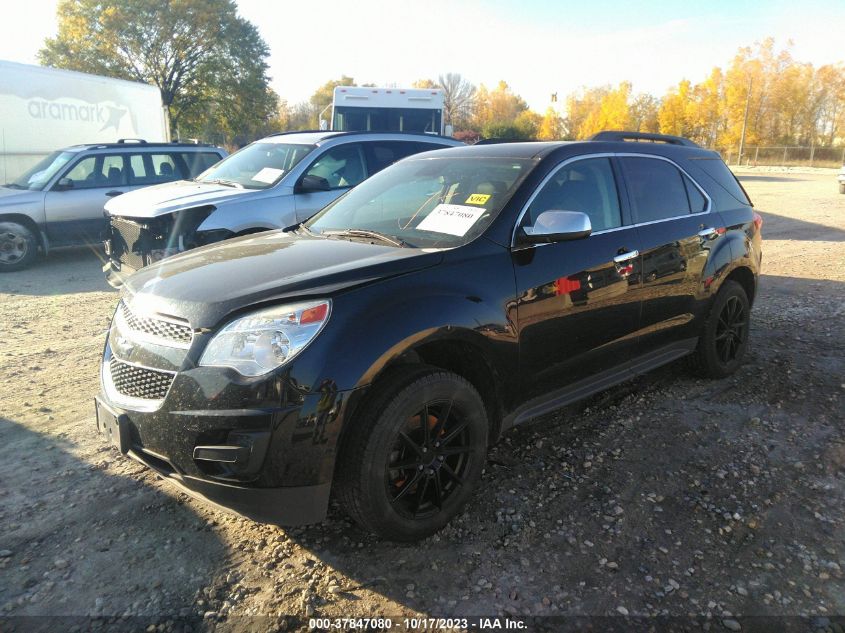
[
  {"x": 151, "y": 202},
  {"x": 204, "y": 285}
]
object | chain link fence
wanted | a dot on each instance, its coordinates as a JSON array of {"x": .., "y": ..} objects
[{"x": 785, "y": 156}]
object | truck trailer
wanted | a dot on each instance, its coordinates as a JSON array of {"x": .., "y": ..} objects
[{"x": 44, "y": 109}]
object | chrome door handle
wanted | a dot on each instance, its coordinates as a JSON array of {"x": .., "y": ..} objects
[
  {"x": 624, "y": 257},
  {"x": 708, "y": 233}
]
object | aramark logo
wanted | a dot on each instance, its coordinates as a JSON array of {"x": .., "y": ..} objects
[{"x": 109, "y": 116}]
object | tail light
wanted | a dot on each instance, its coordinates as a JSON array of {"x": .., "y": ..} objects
[{"x": 758, "y": 221}]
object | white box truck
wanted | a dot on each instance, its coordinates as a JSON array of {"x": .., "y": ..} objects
[
  {"x": 366, "y": 109},
  {"x": 44, "y": 109}
]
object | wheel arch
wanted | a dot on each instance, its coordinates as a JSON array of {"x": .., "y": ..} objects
[
  {"x": 744, "y": 276},
  {"x": 31, "y": 224},
  {"x": 459, "y": 351}
]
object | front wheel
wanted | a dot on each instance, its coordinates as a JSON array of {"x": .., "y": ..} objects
[
  {"x": 724, "y": 339},
  {"x": 18, "y": 247},
  {"x": 414, "y": 454}
]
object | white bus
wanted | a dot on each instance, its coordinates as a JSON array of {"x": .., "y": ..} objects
[{"x": 361, "y": 109}]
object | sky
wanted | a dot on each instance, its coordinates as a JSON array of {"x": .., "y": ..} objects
[{"x": 539, "y": 47}]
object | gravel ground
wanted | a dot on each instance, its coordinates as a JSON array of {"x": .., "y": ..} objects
[{"x": 667, "y": 496}]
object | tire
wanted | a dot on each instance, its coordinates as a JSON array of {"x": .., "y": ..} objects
[
  {"x": 842, "y": 187},
  {"x": 435, "y": 466},
  {"x": 724, "y": 339},
  {"x": 18, "y": 247}
]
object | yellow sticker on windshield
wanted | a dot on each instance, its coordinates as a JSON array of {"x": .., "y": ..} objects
[{"x": 478, "y": 198}]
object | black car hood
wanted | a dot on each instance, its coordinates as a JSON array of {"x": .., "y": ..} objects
[{"x": 206, "y": 284}]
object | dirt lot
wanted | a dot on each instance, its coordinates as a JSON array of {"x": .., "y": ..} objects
[{"x": 667, "y": 496}]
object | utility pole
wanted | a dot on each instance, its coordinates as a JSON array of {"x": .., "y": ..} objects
[{"x": 744, "y": 121}]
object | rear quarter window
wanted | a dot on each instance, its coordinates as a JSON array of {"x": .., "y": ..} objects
[{"x": 724, "y": 177}]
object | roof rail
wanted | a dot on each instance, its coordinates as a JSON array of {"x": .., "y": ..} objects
[
  {"x": 133, "y": 140},
  {"x": 354, "y": 132},
  {"x": 497, "y": 141},
  {"x": 643, "y": 136},
  {"x": 297, "y": 132}
]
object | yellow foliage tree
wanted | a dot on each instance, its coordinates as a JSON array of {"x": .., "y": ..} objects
[{"x": 551, "y": 127}]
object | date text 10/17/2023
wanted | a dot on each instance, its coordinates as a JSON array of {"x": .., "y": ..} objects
[{"x": 416, "y": 624}]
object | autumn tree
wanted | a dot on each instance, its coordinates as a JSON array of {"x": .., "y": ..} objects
[
  {"x": 208, "y": 62},
  {"x": 458, "y": 100},
  {"x": 496, "y": 110},
  {"x": 551, "y": 127},
  {"x": 643, "y": 113},
  {"x": 598, "y": 109}
]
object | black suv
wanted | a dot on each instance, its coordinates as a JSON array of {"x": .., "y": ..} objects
[{"x": 376, "y": 350}]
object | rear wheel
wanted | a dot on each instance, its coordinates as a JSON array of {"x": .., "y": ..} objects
[
  {"x": 18, "y": 246},
  {"x": 415, "y": 454},
  {"x": 724, "y": 340}
]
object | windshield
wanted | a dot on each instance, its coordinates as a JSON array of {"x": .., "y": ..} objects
[
  {"x": 257, "y": 166},
  {"x": 37, "y": 177},
  {"x": 427, "y": 202}
]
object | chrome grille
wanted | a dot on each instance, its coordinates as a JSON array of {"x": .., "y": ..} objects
[
  {"x": 179, "y": 333},
  {"x": 139, "y": 382}
]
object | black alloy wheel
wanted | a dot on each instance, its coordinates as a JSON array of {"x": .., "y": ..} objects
[
  {"x": 429, "y": 460},
  {"x": 731, "y": 329},
  {"x": 413, "y": 454},
  {"x": 724, "y": 338}
]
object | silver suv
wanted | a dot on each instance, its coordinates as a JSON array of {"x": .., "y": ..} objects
[
  {"x": 273, "y": 183},
  {"x": 59, "y": 201}
]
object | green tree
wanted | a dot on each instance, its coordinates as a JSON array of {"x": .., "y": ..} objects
[
  {"x": 323, "y": 97},
  {"x": 209, "y": 63}
]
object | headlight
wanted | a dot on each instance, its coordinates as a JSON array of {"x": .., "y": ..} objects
[{"x": 264, "y": 340}]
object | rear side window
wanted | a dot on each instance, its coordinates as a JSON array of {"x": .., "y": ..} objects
[
  {"x": 198, "y": 162},
  {"x": 656, "y": 189},
  {"x": 151, "y": 169},
  {"x": 384, "y": 153},
  {"x": 697, "y": 201},
  {"x": 718, "y": 171}
]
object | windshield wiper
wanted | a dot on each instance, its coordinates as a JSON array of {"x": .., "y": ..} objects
[
  {"x": 12, "y": 185},
  {"x": 225, "y": 183},
  {"x": 389, "y": 239}
]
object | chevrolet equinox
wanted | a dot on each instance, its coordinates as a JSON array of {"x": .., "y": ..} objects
[{"x": 376, "y": 350}]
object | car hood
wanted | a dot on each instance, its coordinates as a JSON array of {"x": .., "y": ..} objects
[
  {"x": 151, "y": 202},
  {"x": 14, "y": 197},
  {"x": 204, "y": 285}
]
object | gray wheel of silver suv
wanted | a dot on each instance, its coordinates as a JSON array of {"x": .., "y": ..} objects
[{"x": 18, "y": 247}]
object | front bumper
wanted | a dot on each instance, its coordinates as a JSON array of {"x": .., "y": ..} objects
[{"x": 270, "y": 464}]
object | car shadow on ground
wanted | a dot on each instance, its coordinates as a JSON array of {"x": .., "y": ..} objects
[
  {"x": 63, "y": 271},
  {"x": 80, "y": 541},
  {"x": 781, "y": 227}
]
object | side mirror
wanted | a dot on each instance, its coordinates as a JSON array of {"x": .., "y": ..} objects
[
  {"x": 557, "y": 226},
  {"x": 313, "y": 183},
  {"x": 63, "y": 185}
]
